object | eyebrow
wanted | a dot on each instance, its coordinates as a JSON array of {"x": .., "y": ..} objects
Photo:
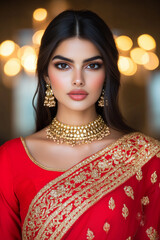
[{"x": 70, "y": 60}]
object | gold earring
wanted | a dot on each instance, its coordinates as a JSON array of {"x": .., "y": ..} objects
[
  {"x": 101, "y": 100},
  {"x": 49, "y": 100}
]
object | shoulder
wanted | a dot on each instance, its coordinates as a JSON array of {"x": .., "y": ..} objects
[
  {"x": 140, "y": 149},
  {"x": 11, "y": 153},
  {"x": 140, "y": 140},
  {"x": 10, "y": 146}
]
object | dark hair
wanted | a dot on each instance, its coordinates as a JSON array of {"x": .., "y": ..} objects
[{"x": 86, "y": 25}]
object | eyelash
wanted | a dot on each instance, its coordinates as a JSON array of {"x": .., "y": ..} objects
[
  {"x": 96, "y": 65},
  {"x": 60, "y": 64}
]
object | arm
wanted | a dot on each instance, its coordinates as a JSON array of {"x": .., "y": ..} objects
[{"x": 10, "y": 227}]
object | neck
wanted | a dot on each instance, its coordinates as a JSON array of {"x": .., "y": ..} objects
[{"x": 76, "y": 117}]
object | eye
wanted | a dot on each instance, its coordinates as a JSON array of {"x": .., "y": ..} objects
[
  {"x": 62, "y": 66},
  {"x": 94, "y": 66}
]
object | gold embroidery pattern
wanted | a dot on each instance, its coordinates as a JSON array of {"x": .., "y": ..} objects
[
  {"x": 90, "y": 234},
  {"x": 158, "y": 155},
  {"x": 111, "y": 204},
  {"x": 125, "y": 211},
  {"x": 129, "y": 191},
  {"x": 106, "y": 227},
  {"x": 152, "y": 233},
  {"x": 139, "y": 175},
  {"x": 62, "y": 201},
  {"x": 145, "y": 200},
  {"x": 154, "y": 177},
  {"x": 129, "y": 238}
]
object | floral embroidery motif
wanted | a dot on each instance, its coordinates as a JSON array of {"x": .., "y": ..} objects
[
  {"x": 152, "y": 233},
  {"x": 106, "y": 227},
  {"x": 158, "y": 155},
  {"x": 129, "y": 191},
  {"x": 139, "y": 175},
  {"x": 111, "y": 203},
  {"x": 129, "y": 238},
  {"x": 145, "y": 200},
  {"x": 90, "y": 234},
  {"x": 59, "y": 204},
  {"x": 154, "y": 177},
  {"x": 125, "y": 211}
]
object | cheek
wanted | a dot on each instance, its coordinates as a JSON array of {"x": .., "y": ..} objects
[
  {"x": 57, "y": 80},
  {"x": 98, "y": 81}
]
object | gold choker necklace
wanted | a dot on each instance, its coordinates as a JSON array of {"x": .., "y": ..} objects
[{"x": 76, "y": 135}]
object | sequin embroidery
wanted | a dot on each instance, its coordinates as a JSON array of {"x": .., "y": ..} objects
[
  {"x": 152, "y": 233},
  {"x": 154, "y": 177},
  {"x": 129, "y": 191},
  {"x": 145, "y": 200},
  {"x": 125, "y": 211},
  {"x": 139, "y": 175},
  {"x": 90, "y": 234},
  {"x": 111, "y": 204},
  {"x": 106, "y": 227}
]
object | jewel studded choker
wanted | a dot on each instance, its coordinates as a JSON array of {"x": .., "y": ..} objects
[{"x": 76, "y": 135}]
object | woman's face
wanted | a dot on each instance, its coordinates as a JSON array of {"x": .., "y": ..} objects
[{"x": 76, "y": 73}]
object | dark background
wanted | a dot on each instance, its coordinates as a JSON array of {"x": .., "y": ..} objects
[{"x": 131, "y": 18}]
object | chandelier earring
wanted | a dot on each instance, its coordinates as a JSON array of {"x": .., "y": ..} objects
[
  {"x": 49, "y": 100},
  {"x": 101, "y": 100}
]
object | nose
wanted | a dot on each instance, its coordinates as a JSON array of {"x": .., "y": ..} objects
[{"x": 78, "y": 78}]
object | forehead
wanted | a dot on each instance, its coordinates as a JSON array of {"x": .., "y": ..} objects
[{"x": 76, "y": 47}]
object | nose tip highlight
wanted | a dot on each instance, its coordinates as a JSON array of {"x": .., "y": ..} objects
[{"x": 78, "y": 82}]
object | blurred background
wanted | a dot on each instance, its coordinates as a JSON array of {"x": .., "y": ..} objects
[{"x": 135, "y": 25}]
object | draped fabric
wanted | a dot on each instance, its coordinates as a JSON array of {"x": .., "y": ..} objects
[{"x": 112, "y": 194}]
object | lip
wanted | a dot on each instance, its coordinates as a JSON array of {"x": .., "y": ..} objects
[{"x": 78, "y": 95}]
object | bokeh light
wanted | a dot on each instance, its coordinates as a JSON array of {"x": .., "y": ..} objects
[
  {"x": 124, "y": 42},
  {"x": 40, "y": 14},
  {"x": 28, "y": 58},
  {"x": 126, "y": 66},
  {"x": 25, "y": 50},
  {"x": 7, "y": 48},
  {"x": 139, "y": 56},
  {"x": 146, "y": 42},
  {"x": 12, "y": 67},
  {"x": 153, "y": 62},
  {"x": 36, "y": 39}
]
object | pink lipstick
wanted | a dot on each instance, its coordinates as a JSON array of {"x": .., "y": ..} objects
[{"x": 78, "y": 95}]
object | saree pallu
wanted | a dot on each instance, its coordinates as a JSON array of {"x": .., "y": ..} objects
[{"x": 113, "y": 194}]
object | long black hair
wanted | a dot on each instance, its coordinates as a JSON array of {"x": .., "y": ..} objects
[{"x": 88, "y": 25}]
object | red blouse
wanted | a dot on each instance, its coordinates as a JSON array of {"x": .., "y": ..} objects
[{"x": 128, "y": 210}]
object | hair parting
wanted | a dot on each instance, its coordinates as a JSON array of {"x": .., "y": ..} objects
[{"x": 86, "y": 25}]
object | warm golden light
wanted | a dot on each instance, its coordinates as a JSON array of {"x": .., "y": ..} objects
[
  {"x": 124, "y": 43},
  {"x": 40, "y": 14},
  {"x": 37, "y": 37},
  {"x": 28, "y": 57},
  {"x": 12, "y": 67},
  {"x": 25, "y": 50},
  {"x": 7, "y": 48},
  {"x": 153, "y": 61},
  {"x": 146, "y": 42},
  {"x": 139, "y": 56},
  {"x": 29, "y": 63},
  {"x": 126, "y": 66}
]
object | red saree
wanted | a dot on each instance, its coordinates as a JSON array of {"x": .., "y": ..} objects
[{"x": 113, "y": 194}]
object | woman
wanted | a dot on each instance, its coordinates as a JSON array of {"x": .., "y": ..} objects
[{"x": 84, "y": 174}]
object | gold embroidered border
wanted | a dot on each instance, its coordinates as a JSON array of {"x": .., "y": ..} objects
[{"x": 90, "y": 194}]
